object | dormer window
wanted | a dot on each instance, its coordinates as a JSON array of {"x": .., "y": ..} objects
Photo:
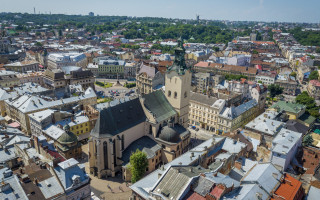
[{"x": 76, "y": 180}]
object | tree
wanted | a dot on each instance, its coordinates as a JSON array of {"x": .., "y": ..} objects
[
  {"x": 60, "y": 33},
  {"x": 38, "y": 44},
  {"x": 305, "y": 99},
  {"x": 216, "y": 49},
  {"x": 294, "y": 74},
  {"x": 309, "y": 102},
  {"x": 275, "y": 90},
  {"x": 307, "y": 140},
  {"x": 138, "y": 165},
  {"x": 314, "y": 75}
]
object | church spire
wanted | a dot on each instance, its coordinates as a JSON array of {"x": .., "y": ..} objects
[{"x": 179, "y": 63}]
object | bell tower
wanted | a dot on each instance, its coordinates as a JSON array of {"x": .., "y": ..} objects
[{"x": 178, "y": 84}]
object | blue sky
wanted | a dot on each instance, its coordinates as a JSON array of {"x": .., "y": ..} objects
[{"x": 253, "y": 10}]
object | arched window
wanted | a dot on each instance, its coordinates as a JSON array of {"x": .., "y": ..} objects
[
  {"x": 175, "y": 95},
  {"x": 150, "y": 130},
  {"x": 169, "y": 93},
  {"x": 185, "y": 95}
]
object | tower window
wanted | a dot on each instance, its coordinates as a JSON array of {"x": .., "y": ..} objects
[
  {"x": 169, "y": 93},
  {"x": 175, "y": 95},
  {"x": 185, "y": 95}
]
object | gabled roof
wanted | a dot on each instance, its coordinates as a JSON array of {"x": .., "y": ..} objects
[
  {"x": 294, "y": 125},
  {"x": 116, "y": 119},
  {"x": 265, "y": 175},
  {"x": 159, "y": 106},
  {"x": 66, "y": 171},
  {"x": 288, "y": 188}
]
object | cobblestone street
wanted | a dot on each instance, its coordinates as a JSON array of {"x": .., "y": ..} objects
[{"x": 108, "y": 189}]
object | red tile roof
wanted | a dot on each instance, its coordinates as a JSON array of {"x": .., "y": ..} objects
[
  {"x": 217, "y": 192},
  {"x": 202, "y": 64},
  {"x": 263, "y": 42},
  {"x": 315, "y": 82},
  {"x": 288, "y": 189},
  {"x": 56, "y": 155},
  {"x": 194, "y": 196}
]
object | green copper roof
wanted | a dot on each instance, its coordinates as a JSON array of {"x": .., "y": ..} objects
[
  {"x": 67, "y": 138},
  {"x": 158, "y": 104},
  {"x": 288, "y": 106},
  {"x": 179, "y": 64}
]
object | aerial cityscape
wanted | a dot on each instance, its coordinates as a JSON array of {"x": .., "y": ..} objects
[{"x": 170, "y": 100}]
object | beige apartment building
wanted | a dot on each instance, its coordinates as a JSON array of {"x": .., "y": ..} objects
[
  {"x": 214, "y": 115},
  {"x": 23, "y": 66},
  {"x": 19, "y": 108},
  {"x": 149, "y": 79}
]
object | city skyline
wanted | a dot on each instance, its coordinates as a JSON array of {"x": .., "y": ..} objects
[{"x": 246, "y": 10}]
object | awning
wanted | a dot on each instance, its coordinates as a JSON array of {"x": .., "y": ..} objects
[
  {"x": 14, "y": 125},
  {"x": 41, "y": 66}
]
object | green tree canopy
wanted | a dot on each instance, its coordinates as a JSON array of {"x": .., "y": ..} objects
[
  {"x": 307, "y": 140},
  {"x": 309, "y": 102},
  {"x": 230, "y": 77},
  {"x": 294, "y": 74},
  {"x": 138, "y": 165},
  {"x": 309, "y": 38},
  {"x": 38, "y": 44},
  {"x": 314, "y": 75},
  {"x": 275, "y": 90}
]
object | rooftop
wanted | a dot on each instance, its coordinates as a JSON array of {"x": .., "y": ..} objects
[
  {"x": 288, "y": 188},
  {"x": 265, "y": 123},
  {"x": 144, "y": 144},
  {"x": 158, "y": 105},
  {"x": 288, "y": 107},
  {"x": 285, "y": 141},
  {"x": 115, "y": 119}
]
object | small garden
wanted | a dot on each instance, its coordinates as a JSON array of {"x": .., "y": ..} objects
[
  {"x": 104, "y": 100},
  {"x": 104, "y": 85},
  {"x": 129, "y": 85}
]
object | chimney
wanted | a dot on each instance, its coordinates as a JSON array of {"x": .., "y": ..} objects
[
  {"x": 215, "y": 174},
  {"x": 32, "y": 142}
]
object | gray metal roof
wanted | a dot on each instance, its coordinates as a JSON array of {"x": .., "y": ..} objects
[
  {"x": 144, "y": 144},
  {"x": 67, "y": 170},
  {"x": 223, "y": 179},
  {"x": 313, "y": 193},
  {"x": 50, "y": 187},
  {"x": 285, "y": 141},
  {"x": 12, "y": 188},
  {"x": 265, "y": 175},
  {"x": 203, "y": 99},
  {"x": 29, "y": 103}
]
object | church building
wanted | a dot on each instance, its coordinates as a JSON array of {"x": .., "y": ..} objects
[{"x": 154, "y": 123}]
